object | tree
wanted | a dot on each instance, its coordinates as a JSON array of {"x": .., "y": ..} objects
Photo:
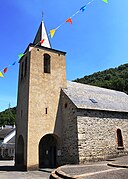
[{"x": 113, "y": 78}]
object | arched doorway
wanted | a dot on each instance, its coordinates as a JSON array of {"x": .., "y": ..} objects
[
  {"x": 20, "y": 152},
  {"x": 47, "y": 151}
]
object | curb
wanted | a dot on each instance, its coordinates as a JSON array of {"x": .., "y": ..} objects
[
  {"x": 62, "y": 174},
  {"x": 59, "y": 174},
  {"x": 117, "y": 165}
]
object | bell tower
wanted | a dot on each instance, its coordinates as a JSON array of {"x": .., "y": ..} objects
[{"x": 42, "y": 74}]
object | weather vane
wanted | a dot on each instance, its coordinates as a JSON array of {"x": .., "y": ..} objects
[{"x": 42, "y": 15}]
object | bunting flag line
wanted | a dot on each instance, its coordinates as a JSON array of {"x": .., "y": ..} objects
[
  {"x": 51, "y": 34},
  {"x": 30, "y": 49},
  {"x": 1, "y": 75},
  {"x": 69, "y": 20},
  {"x": 90, "y": 2},
  {"x": 13, "y": 63},
  {"x": 106, "y": 1},
  {"x": 5, "y": 70},
  {"x": 83, "y": 8},
  {"x": 20, "y": 55},
  {"x": 42, "y": 41}
]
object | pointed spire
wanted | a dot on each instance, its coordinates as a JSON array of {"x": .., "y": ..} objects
[
  {"x": 45, "y": 37},
  {"x": 42, "y": 34}
]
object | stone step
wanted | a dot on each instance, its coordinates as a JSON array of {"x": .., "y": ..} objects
[
  {"x": 61, "y": 174},
  {"x": 58, "y": 174},
  {"x": 54, "y": 176}
]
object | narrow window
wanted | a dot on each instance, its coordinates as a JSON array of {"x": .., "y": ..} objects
[
  {"x": 119, "y": 138},
  {"x": 46, "y": 110},
  {"x": 22, "y": 70},
  {"x": 66, "y": 105},
  {"x": 46, "y": 63},
  {"x": 25, "y": 67}
]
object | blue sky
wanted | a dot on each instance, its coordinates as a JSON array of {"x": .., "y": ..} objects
[{"x": 97, "y": 39}]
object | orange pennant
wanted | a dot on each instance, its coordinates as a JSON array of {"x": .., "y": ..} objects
[{"x": 69, "y": 20}]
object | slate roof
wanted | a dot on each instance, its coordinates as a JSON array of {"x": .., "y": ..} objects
[
  {"x": 12, "y": 140},
  {"x": 92, "y": 97},
  {"x": 5, "y": 132}
]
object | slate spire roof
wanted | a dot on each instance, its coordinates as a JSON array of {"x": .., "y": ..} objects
[
  {"x": 92, "y": 97},
  {"x": 42, "y": 34}
]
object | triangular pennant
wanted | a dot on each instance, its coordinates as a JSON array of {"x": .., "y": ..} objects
[
  {"x": 42, "y": 41},
  {"x": 5, "y": 70},
  {"x": 69, "y": 20},
  {"x": 106, "y": 1},
  {"x": 14, "y": 63},
  {"x": 20, "y": 55},
  {"x": 52, "y": 32},
  {"x": 30, "y": 48},
  {"x": 1, "y": 75},
  {"x": 83, "y": 8}
]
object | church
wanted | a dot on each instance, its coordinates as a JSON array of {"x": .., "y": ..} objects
[{"x": 62, "y": 122}]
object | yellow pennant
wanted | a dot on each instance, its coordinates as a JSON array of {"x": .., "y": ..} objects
[
  {"x": 52, "y": 32},
  {"x": 1, "y": 75}
]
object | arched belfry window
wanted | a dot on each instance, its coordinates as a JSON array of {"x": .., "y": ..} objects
[
  {"x": 119, "y": 138},
  {"x": 22, "y": 71},
  {"x": 47, "y": 63},
  {"x": 25, "y": 73}
]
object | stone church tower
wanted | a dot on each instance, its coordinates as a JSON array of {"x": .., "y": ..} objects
[{"x": 42, "y": 74}]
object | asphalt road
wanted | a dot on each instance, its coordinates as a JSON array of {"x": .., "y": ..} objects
[
  {"x": 97, "y": 170},
  {"x": 115, "y": 173}
]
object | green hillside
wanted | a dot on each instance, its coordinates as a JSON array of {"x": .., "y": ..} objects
[
  {"x": 113, "y": 78},
  {"x": 8, "y": 117}
]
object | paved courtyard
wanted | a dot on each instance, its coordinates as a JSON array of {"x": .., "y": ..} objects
[
  {"x": 7, "y": 172},
  {"x": 93, "y": 170}
]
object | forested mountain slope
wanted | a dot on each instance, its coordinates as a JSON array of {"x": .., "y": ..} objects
[
  {"x": 113, "y": 78},
  {"x": 8, "y": 117}
]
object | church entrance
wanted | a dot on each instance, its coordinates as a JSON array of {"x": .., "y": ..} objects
[{"x": 47, "y": 151}]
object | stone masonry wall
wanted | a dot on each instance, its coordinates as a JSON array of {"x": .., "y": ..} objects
[
  {"x": 38, "y": 98},
  {"x": 22, "y": 108},
  {"x": 97, "y": 134},
  {"x": 44, "y": 94},
  {"x": 69, "y": 132}
]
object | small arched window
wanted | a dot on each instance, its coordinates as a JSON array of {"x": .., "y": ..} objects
[
  {"x": 22, "y": 71},
  {"x": 47, "y": 65},
  {"x": 119, "y": 138},
  {"x": 25, "y": 66}
]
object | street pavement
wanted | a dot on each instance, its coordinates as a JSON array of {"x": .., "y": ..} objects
[
  {"x": 112, "y": 169},
  {"x": 7, "y": 171}
]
